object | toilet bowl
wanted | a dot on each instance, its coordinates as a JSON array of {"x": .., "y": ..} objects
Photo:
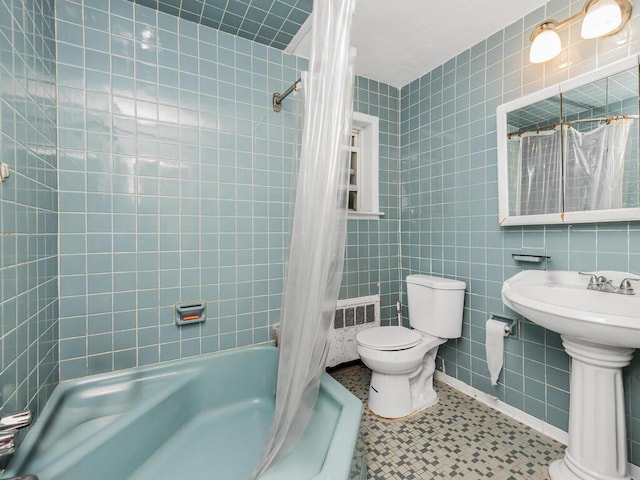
[
  {"x": 402, "y": 377},
  {"x": 402, "y": 360}
]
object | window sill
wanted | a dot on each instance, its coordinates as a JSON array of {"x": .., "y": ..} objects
[{"x": 364, "y": 215}]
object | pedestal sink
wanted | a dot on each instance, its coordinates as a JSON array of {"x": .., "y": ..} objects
[{"x": 599, "y": 331}]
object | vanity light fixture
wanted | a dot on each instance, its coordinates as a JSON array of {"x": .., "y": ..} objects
[
  {"x": 600, "y": 18},
  {"x": 545, "y": 42}
]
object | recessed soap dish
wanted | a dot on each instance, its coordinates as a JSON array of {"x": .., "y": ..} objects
[
  {"x": 190, "y": 312},
  {"x": 529, "y": 258}
]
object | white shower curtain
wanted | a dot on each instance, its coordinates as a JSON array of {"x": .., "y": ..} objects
[
  {"x": 587, "y": 166},
  {"x": 594, "y": 166},
  {"x": 539, "y": 190},
  {"x": 318, "y": 227},
  {"x": 513, "y": 171}
]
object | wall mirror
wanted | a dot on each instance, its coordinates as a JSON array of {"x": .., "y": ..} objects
[{"x": 569, "y": 153}]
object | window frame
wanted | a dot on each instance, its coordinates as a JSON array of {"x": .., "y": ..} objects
[{"x": 368, "y": 167}]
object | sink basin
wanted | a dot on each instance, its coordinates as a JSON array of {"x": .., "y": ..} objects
[
  {"x": 599, "y": 331},
  {"x": 560, "y": 301}
]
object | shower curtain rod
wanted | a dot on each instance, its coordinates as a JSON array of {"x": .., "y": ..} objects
[
  {"x": 571, "y": 122},
  {"x": 277, "y": 98}
]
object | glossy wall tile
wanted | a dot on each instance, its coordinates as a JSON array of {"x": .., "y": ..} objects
[
  {"x": 175, "y": 181},
  {"x": 450, "y": 209},
  {"x": 174, "y": 185},
  {"x": 28, "y": 206}
]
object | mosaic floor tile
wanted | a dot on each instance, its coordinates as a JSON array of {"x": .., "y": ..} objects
[{"x": 458, "y": 438}]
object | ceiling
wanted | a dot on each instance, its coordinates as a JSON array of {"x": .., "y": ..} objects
[
  {"x": 399, "y": 44},
  {"x": 397, "y": 41}
]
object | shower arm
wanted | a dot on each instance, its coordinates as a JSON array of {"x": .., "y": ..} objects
[{"x": 277, "y": 98}]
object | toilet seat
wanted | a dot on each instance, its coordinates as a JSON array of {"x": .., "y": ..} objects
[{"x": 389, "y": 338}]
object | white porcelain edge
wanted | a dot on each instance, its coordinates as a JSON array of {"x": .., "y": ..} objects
[{"x": 610, "y": 320}]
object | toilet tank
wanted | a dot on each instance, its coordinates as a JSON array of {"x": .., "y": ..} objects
[{"x": 435, "y": 305}]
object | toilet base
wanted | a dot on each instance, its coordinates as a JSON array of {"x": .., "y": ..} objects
[
  {"x": 406, "y": 386},
  {"x": 410, "y": 415},
  {"x": 390, "y": 396},
  {"x": 396, "y": 396}
]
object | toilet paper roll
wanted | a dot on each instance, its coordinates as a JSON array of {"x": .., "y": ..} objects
[{"x": 494, "y": 345}]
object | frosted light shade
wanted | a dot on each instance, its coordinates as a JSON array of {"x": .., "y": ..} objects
[
  {"x": 603, "y": 17},
  {"x": 545, "y": 46}
]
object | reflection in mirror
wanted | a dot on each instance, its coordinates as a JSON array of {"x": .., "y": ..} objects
[
  {"x": 569, "y": 153},
  {"x": 601, "y": 128},
  {"x": 535, "y": 158}
]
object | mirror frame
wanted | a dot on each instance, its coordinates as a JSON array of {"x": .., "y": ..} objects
[{"x": 504, "y": 219}]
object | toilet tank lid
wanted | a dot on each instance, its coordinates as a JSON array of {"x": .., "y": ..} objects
[{"x": 436, "y": 282}]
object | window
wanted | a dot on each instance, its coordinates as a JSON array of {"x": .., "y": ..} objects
[{"x": 363, "y": 173}]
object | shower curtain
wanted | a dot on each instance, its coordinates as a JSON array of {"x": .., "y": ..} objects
[
  {"x": 513, "y": 172},
  {"x": 318, "y": 228},
  {"x": 595, "y": 166},
  {"x": 564, "y": 170},
  {"x": 540, "y": 172}
]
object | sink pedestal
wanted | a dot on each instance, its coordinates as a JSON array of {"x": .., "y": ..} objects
[
  {"x": 600, "y": 331},
  {"x": 597, "y": 447}
]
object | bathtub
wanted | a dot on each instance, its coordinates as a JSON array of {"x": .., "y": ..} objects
[{"x": 205, "y": 417}]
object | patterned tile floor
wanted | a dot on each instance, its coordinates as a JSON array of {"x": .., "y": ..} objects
[{"x": 458, "y": 438}]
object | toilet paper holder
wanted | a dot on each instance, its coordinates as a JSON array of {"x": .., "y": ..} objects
[{"x": 510, "y": 324}]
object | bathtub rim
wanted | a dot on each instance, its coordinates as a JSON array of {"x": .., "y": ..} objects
[{"x": 338, "y": 457}]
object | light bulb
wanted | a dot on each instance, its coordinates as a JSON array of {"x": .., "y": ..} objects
[
  {"x": 545, "y": 46},
  {"x": 602, "y": 17}
]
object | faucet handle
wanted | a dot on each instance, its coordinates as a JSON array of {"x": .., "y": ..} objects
[
  {"x": 625, "y": 286},
  {"x": 7, "y": 442},
  {"x": 588, "y": 274},
  {"x": 593, "y": 278},
  {"x": 15, "y": 421}
]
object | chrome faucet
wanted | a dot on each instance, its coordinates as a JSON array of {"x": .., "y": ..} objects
[
  {"x": 603, "y": 284},
  {"x": 15, "y": 421},
  {"x": 625, "y": 286},
  {"x": 9, "y": 426},
  {"x": 595, "y": 281}
]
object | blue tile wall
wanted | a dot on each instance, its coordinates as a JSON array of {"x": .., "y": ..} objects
[
  {"x": 450, "y": 209},
  {"x": 28, "y": 206},
  {"x": 174, "y": 183},
  {"x": 372, "y": 256}
]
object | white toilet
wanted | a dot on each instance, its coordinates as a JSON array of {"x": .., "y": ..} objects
[{"x": 402, "y": 360}]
